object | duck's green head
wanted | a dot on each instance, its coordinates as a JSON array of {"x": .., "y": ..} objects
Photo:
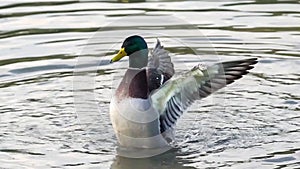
[{"x": 136, "y": 48}]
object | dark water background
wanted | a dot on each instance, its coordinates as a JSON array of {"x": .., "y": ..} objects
[{"x": 254, "y": 123}]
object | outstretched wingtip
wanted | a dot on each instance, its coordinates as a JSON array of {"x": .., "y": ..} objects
[
  {"x": 251, "y": 61},
  {"x": 157, "y": 40},
  {"x": 158, "y": 44},
  {"x": 254, "y": 60}
]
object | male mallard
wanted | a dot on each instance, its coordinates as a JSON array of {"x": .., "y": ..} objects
[{"x": 149, "y": 101}]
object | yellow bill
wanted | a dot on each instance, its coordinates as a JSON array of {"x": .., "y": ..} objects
[{"x": 119, "y": 56}]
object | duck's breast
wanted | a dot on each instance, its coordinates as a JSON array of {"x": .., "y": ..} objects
[{"x": 136, "y": 123}]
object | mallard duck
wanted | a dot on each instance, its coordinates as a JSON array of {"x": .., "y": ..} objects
[{"x": 149, "y": 100}]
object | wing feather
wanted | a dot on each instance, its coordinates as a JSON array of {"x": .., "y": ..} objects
[
  {"x": 176, "y": 95},
  {"x": 161, "y": 60}
]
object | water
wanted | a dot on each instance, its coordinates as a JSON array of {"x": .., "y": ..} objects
[{"x": 44, "y": 42}]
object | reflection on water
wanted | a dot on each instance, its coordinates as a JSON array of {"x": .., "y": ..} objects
[
  {"x": 42, "y": 42},
  {"x": 166, "y": 160}
]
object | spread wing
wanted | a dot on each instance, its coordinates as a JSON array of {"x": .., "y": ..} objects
[
  {"x": 160, "y": 67},
  {"x": 176, "y": 95},
  {"x": 160, "y": 60}
]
